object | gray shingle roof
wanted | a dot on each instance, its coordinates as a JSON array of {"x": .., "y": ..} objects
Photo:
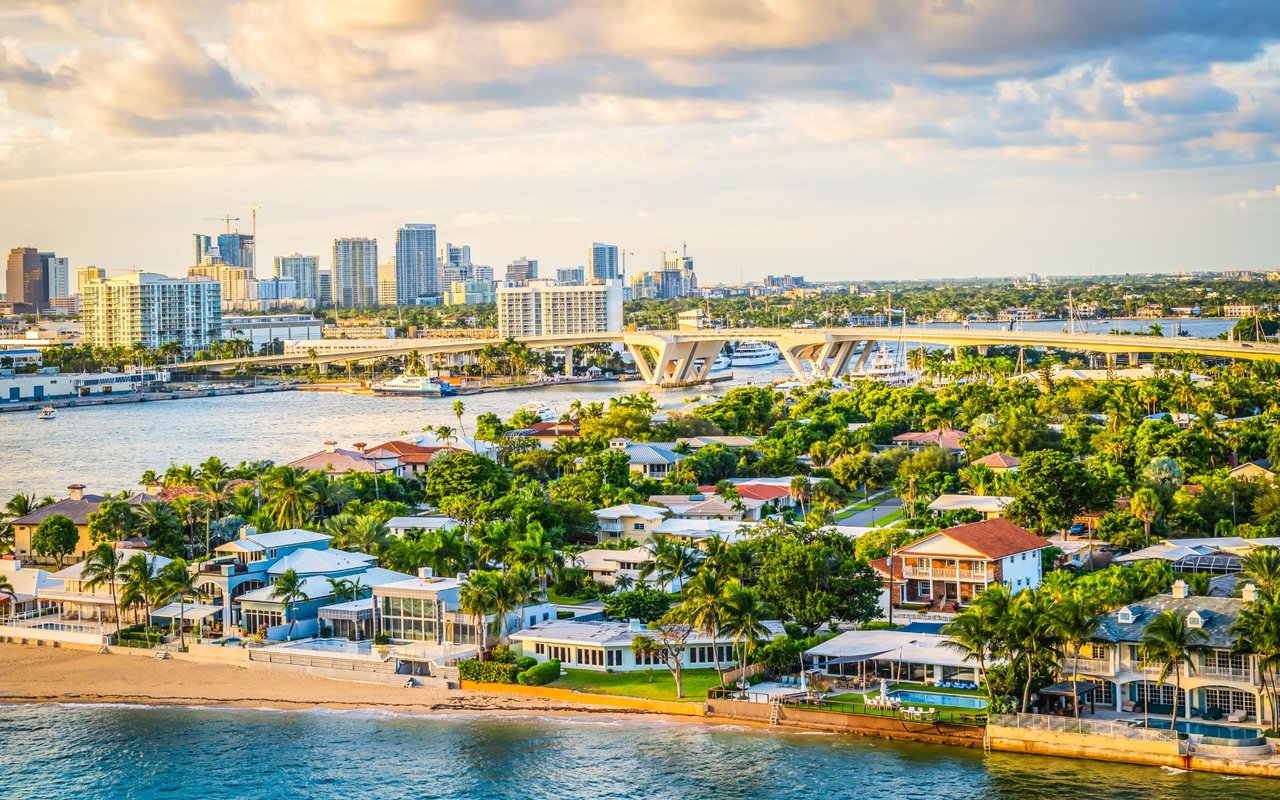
[{"x": 1222, "y": 611}]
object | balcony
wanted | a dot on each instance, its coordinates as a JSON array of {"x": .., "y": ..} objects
[
  {"x": 611, "y": 526},
  {"x": 1244, "y": 674},
  {"x": 1091, "y": 666},
  {"x": 944, "y": 573}
]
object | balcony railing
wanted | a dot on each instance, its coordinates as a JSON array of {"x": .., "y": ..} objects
[
  {"x": 611, "y": 527},
  {"x": 1215, "y": 671},
  {"x": 1092, "y": 666},
  {"x": 951, "y": 573}
]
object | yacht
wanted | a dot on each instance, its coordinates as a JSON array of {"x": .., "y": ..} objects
[
  {"x": 414, "y": 386},
  {"x": 754, "y": 354},
  {"x": 721, "y": 363},
  {"x": 48, "y": 412},
  {"x": 886, "y": 369},
  {"x": 544, "y": 412}
]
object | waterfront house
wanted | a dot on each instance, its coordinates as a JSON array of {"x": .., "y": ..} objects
[
  {"x": 952, "y": 441},
  {"x": 81, "y": 603},
  {"x": 649, "y": 459},
  {"x": 28, "y": 583},
  {"x": 955, "y": 565},
  {"x": 427, "y": 609},
  {"x": 999, "y": 462},
  {"x": 333, "y": 460},
  {"x": 893, "y": 655},
  {"x": 261, "y": 611},
  {"x": 242, "y": 565},
  {"x": 989, "y": 506},
  {"x": 628, "y": 521},
  {"x": 77, "y": 507},
  {"x": 1221, "y": 678},
  {"x": 399, "y": 526},
  {"x": 606, "y": 646}
]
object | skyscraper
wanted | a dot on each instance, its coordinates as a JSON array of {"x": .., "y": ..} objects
[
  {"x": 571, "y": 276},
  {"x": 387, "y": 283},
  {"x": 417, "y": 269},
  {"x": 355, "y": 272},
  {"x": 27, "y": 280},
  {"x": 57, "y": 274},
  {"x": 324, "y": 288},
  {"x": 540, "y": 308},
  {"x": 200, "y": 245},
  {"x": 522, "y": 269},
  {"x": 603, "y": 263},
  {"x": 236, "y": 250},
  {"x": 305, "y": 272},
  {"x": 456, "y": 255}
]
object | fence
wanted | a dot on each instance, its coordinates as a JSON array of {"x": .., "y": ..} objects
[
  {"x": 913, "y": 713},
  {"x": 1120, "y": 729}
]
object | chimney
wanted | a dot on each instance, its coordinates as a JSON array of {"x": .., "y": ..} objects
[
  {"x": 330, "y": 446},
  {"x": 76, "y": 491},
  {"x": 636, "y": 625},
  {"x": 1249, "y": 594},
  {"x": 153, "y": 488},
  {"x": 359, "y": 446},
  {"x": 247, "y": 530},
  {"x": 1180, "y": 588}
]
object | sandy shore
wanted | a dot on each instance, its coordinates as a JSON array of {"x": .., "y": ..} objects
[{"x": 47, "y": 674}]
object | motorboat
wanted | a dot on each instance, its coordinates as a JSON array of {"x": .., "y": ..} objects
[
  {"x": 542, "y": 410},
  {"x": 721, "y": 363},
  {"x": 754, "y": 354},
  {"x": 48, "y": 412},
  {"x": 885, "y": 368},
  {"x": 414, "y": 386}
]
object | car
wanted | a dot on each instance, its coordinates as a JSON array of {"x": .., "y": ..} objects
[{"x": 1078, "y": 529}]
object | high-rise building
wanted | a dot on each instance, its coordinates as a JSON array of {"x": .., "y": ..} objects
[
  {"x": 482, "y": 272},
  {"x": 522, "y": 269},
  {"x": 417, "y": 269},
  {"x": 200, "y": 245},
  {"x": 324, "y": 288},
  {"x": 236, "y": 250},
  {"x": 571, "y": 276},
  {"x": 387, "y": 283},
  {"x": 27, "y": 280},
  {"x": 303, "y": 270},
  {"x": 355, "y": 272},
  {"x": 676, "y": 278},
  {"x": 456, "y": 255},
  {"x": 86, "y": 274},
  {"x": 151, "y": 309},
  {"x": 58, "y": 274},
  {"x": 541, "y": 308},
  {"x": 603, "y": 264}
]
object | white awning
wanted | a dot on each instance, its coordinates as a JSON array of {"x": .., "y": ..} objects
[{"x": 192, "y": 612}]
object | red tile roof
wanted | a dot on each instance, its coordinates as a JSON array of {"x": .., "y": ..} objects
[
  {"x": 994, "y": 538},
  {"x": 947, "y": 441},
  {"x": 999, "y": 461}
]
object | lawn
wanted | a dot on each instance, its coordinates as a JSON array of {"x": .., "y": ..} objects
[
  {"x": 856, "y": 702},
  {"x": 891, "y": 517},
  {"x": 861, "y": 506},
  {"x": 561, "y": 600},
  {"x": 637, "y": 684}
]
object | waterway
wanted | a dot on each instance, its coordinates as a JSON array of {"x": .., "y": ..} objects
[
  {"x": 114, "y": 752},
  {"x": 108, "y": 447}
]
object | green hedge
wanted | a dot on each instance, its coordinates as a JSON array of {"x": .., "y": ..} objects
[
  {"x": 541, "y": 674},
  {"x": 487, "y": 671},
  {"x": 525, "y": 662}
]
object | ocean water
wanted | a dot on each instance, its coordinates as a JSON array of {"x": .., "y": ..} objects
[{"x": 48, "y": 752}]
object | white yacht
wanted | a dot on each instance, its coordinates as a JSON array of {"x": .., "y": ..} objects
[
  {"x": 48, "y": 412},
  {"x": 755, "y": 354},
  {"x": 887, "y": 369},
  {"x": 544, "y": 412},
  {"x": 413, "y": 386},
  {"x": 721, "y": 363}
]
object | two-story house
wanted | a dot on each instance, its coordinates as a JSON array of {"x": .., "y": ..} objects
[
  {"x": 98, "y": 604},
  {"x": 1220, "y": 678},
  {"x": 428, "y": 609},
  {"x": 77, "y": 506},
  {"x": 648, "y": 459},
  {"x": 246, "y": 564},
  {"x": 629, "y": 521},
  {"x": 955, "y": 565}
]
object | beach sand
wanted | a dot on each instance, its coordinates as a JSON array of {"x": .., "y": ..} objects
[{"x": 48, "y": 674}]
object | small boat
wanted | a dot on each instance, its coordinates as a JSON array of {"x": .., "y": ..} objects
[
  {"x": 755, "y": 354},
  {"x": 48, "y": 412},
  {"x": 414, "y": 386},
  {"x": 543, "y": 411}
]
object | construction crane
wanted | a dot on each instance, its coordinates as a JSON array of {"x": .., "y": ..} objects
[{"x": 228, "y": 219}]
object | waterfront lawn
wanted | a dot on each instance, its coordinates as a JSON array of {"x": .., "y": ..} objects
[
  {"x": 561, "y": 600},
  {"x": 637, "y": 684}
]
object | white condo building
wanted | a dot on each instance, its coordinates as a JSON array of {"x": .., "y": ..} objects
[
  {"x": 541, "y": 308},
  {"x": 151, "y": 309},
  {"x": 417, "y": 270},
  {"x": 305, "y": 272}
]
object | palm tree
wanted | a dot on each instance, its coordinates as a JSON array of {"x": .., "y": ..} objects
[
  {"x": 1261, "y": 566},
  {"x": 1146, "y": 506},
  {"x": 179, "y": 581},
  {"x": 477, "y": 596},
  {"x": 366, "y": 535},
  {"x": 6, "y": 589},
  {"x": 1031, "y": 635},
  {"x": 671, "y": 561},
  {"x": 1171, "y": 643},
  {"x": 292, "y": 497},
  {"x": 458, "y": 408},
  {"x": 290, "y": 589},
  {"x": 800, "y": 490},
  {"x": 142, "y": 585},
  {"x": 1075, "y": 624},
  {"x": 536, "y": 552},
  {"x": 1257, "y": 631},
  {"x": 103, "y": 566},
  {"x": 520, "y": 586},
  {"x": 744, "y": 615},
  {"x": 703, "y": 602}
]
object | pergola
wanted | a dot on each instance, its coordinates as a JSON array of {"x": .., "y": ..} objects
[
  {"x": 1073, "y": 692},
  {"x": 355, "y": 616}
]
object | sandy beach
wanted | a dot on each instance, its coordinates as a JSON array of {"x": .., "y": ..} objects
[{"x": 47, "y": 674}]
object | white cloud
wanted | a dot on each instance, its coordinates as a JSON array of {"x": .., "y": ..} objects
[
  {"x": 1241, "y": 200},
  {"x": 1126, "y": 197}
]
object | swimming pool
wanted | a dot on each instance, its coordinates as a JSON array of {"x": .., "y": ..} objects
[
  {"x": 331, "y": 646},
  {"x": 938, "y": 699},
  {"x": 1208, "y": 729}
]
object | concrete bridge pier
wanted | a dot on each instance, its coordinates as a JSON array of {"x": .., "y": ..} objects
[
  {"x": 868, "y": 347},
  {"x": 568, "y": 362},
  {"x": 675, "y": 363},
  {"x": 1133, "y": 359}
]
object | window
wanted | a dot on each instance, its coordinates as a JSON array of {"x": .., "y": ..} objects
[
  {"x": 1230, "y": 700},
  {"x": 539, "y": 648},
  {"x": 637, "y": 526}
]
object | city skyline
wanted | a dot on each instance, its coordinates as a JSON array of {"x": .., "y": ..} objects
[{"x": 915, "y": 139}]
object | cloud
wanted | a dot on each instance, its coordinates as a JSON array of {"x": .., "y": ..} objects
[
  {"x": 1127, "y": 197},
  {"x": 1241, "y": 200}
]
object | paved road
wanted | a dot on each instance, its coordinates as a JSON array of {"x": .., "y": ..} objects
[{"x": 866, "y": 517}]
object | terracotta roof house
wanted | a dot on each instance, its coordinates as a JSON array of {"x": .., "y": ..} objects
[
  {"x": 952, "y": 440},
  {"x": 547, "y": 433},
  {"x": 77, "y": 507},
  {"x": 999, "y": 462},
  {"x": 955, "y": 565},
  {"x": 413, "y": 458}
]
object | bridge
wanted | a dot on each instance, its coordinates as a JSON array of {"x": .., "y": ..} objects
[{"x": 682, "y": 358}]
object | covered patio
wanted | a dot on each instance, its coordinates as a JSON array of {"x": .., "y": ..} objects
[
  {"x": 188, "y": 615},
  {"x": 1064, "y": 698},
  {"x": 862, "y": 658},
  {"x": 352, "y": 620}
]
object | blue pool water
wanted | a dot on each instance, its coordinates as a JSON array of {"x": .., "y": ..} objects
[
  {"x": 938, "y": 699},
  {"x": 337, "y": 646},
  {"x": 49, "y": 752},
  {"x": 1208, "y": 729}
]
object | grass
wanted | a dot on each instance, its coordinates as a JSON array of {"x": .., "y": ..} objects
[
  {"x": 561, "y": 600},
  {"x": 862, "y": 506},
  {"x": 856, "y": 702},
  {"x": 637, "y": 684},
  {"x": 892, "y": 516}
]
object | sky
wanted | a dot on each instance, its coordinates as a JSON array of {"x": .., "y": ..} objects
[{"x": 838, "y": 139}]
